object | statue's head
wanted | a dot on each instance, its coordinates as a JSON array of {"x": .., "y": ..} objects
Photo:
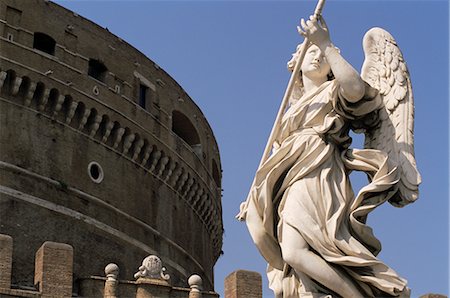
[
  {"x": 321, "y": 69},
  {"x": 314, "y": 63}
]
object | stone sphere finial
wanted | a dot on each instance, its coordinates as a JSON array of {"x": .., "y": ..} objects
[
  {"x": 112, "y": 271},
  {"x": 195, "y": 283}
]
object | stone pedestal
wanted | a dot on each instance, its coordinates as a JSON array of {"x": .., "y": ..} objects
[
  {"x": 243, "y": 284},
  {"x": 112, "y": 273},
  {"x": 152, "y": 288},
  {"x": 195, "y": 283}
]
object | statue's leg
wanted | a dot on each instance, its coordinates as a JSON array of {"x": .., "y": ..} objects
[{"x": 296, "y": 253}]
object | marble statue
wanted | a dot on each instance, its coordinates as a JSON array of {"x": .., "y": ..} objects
[{"x": 301, "y": 210}]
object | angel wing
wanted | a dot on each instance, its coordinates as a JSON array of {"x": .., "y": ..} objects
[{"x": 385, "y": 70}]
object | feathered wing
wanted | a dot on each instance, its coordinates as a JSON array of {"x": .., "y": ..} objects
[{"x": 385, "y": 70}]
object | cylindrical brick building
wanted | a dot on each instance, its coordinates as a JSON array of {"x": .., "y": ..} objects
[{"x": 101, "y": 149}]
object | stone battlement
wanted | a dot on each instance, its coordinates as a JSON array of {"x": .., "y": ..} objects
[
  {"x": 52, "y": 275},
  {"x": 53, "y": 278}
]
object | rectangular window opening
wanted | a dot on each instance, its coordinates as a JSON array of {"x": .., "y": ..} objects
[{"x": 143, "y": 90}]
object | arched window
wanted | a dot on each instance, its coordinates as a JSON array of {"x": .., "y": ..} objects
[
  {"x": 44, "y": 43},
  {"x": 182, "y": 127},
  {"x": 97, "y": 70}
]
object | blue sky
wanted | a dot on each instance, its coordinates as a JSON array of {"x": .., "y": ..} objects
[{"x": 230, "y": 57}]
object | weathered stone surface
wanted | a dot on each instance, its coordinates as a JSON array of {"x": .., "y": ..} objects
[
  {"x": 152, "y": 288},
  {"x": 119, "y": 162},
  {"x": 53, "y": 269},
  {"x": 243, "y": 284},
  {"x": 6, "y": 249}
]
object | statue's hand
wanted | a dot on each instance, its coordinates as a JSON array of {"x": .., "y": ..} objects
[{"x": 316, "y": 31}]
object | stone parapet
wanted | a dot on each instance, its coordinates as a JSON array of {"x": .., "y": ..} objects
[
  {"x": 54, "y": 278},
  {"x": 124, "y": 136},
  {"x": 243, "y": 284},
  {"x": 53, "y": 270},
  {"x": 6, "y": 249}
]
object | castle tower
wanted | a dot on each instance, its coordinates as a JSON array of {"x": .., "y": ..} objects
[{"x": 102, "y": 150}]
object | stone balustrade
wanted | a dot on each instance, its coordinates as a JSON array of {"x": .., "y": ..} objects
[{"x": 136, "y": 144}]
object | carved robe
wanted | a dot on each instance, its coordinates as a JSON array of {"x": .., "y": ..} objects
[{"x": 313, "y": 155}]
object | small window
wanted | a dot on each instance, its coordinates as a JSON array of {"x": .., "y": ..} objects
[
  {"x": 95, "y": 172},
  {"x": 44, "y": 43},
  {"x": 97, "y": 70},
  {"x": 143, "y": 90}
]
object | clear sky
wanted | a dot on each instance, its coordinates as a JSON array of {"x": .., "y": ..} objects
[{"x": 230, "y": 57}]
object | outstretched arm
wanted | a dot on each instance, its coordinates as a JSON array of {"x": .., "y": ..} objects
[{"x": 352, "y": 87}]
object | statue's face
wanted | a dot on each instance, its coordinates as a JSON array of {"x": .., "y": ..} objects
[{"x": 315, "y": 64}]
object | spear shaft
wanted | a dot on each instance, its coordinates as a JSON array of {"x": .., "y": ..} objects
[
  {"x": 276, "y": 125},
  {"x": 290, "y": 87}
]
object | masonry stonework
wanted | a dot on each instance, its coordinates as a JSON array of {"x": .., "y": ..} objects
[
  {"x": 243, "y": 283},
  {"x": 100, "y": 150}
]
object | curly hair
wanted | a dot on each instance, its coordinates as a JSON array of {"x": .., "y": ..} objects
[{"x": 298, "y": 83}]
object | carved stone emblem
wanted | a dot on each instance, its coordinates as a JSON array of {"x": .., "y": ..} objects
[{"x": 152, "y": 268}]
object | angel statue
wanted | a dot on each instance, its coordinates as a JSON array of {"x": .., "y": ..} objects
[{"x": 301, "y": 210}]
